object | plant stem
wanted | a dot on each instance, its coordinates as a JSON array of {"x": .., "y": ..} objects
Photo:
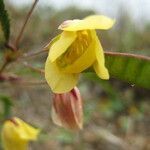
[
  {"x": 31, "y": 54},
  {"x": 14, "y": 47},
  {"x": 10, "y": 46},
  {"x": 33, "y": 68},
  {"x": 13, "y": 79},
  {"x": 3, "y": 66},
  {"x": 24, "y": 25},
  {"x": 29, "y": 83},
  {"x": 127, "y": 55}
]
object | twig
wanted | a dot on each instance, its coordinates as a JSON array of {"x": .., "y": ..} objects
[
  {"x": 127, "y": 55},
  {"x": 9, "y": 77},
  {"x": 13, "y": 79},
  {"x": 10, "y": 46},
  {"x": 25, "y": 23},
  {"x": 14, "y": 47},
  {"x": 3, "y": 66},
  {"x": 33, "y": 68},
  {"x": 30, "y": 83},
  {"x": 32, "y": 54}
]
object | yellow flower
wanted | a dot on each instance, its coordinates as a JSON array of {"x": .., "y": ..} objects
[
  {"x": 16, "y": 134},
  {"x": 74, "y": 50}
]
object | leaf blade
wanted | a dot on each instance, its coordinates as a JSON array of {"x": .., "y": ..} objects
[
  {"x": 4, "y": 20},
  {"x": 134, "y": 69}
]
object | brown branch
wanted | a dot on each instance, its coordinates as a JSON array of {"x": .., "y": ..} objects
[
  {"x": 14, "y": 47},
  {"x": 33, "y": 68},
  {"x": 24, "y": 25},
  {"x": 108, "y": 53},
  {"x": 30, "y": 83},
  {"x": 32, "y": 54},
  {"x": 3, "y": 66},
  {"x": 9, "y": 77},
  {"x": 13, "y": 79},
  {"x": 23, "y": 84},
  {"x": 10, "y": 46}
]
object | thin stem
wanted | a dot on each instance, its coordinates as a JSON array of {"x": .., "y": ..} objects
[
  {"x": 30, "y": 83},
  {"x": 33, "y": 68},
  {"x": 24, "y": 83},
  {"x": 127, "y": 55},
  {"x": 14, "y": 47},
  {"x": 10, "y": 46},
  {"x": 3, "y": 66},
  {"x": 12, "y": 78},
  {"x": 25, "y": 23},
  {"x": 32, "y": 54}
]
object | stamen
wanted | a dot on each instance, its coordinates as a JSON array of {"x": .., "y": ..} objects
[{"x": 77, "y": 48}]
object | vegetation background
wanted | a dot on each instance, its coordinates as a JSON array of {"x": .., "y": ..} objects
[{"x": 116, "y": 114}]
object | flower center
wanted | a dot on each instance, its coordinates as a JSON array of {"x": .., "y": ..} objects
[{"x": 76, "y": 49}]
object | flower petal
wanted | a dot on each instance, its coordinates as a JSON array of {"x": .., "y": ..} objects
[
  {"x": 89, "y": 23},
  {"x": 16, "y": 134},
  {"x": 99, "y": 65},
  {"x": 77, "y": 107},
  {"x": 58, "y": 81},
  {"x": 26, "y": 131},
  {"x": 60, "y": 46},
  {"x": 55, "y": 39},
  {"x": 55, "y": 116},
  {"x": 99, "y": 22},
  {"x": 85, "y": 60}
]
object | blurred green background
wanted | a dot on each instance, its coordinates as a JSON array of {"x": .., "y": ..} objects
[{"x": 116, "y": 114}]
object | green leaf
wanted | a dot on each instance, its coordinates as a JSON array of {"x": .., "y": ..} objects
[
  {"x": 4, "y": 20},
  {"x": 134, "y": 69},
  {"x": 7, "y": 104}
]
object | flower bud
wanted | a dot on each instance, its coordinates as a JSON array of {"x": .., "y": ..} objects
[
  {"x": 16, "y": 134},
  {"x": 67, "y": 110}
]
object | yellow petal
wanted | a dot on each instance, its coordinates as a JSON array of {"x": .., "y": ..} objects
[
  {"x": 58, "y": 81},
  {"x": 48, "y": 46},
  {"x": 85, "y": 60},
  {"x": 99, "y": 65},
  {"x": 21, "y": 130},
  {"x": 26, "y": 131},
  {"x": 60, "y": 46},
  {"x": 99, "y": 22},
  {"x": 89, "y": 23},
  {"x": 16, "y": 134}
]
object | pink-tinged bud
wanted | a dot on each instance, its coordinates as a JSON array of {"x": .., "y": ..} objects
[{"x": 67, "y": 110}]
